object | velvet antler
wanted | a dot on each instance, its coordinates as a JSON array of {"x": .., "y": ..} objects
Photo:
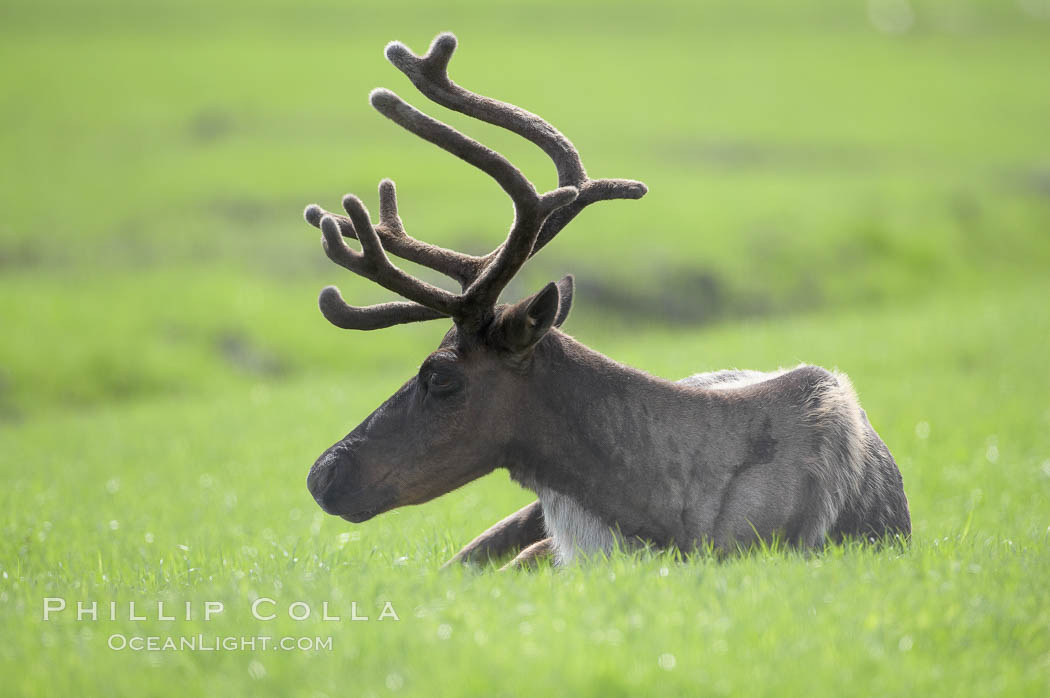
[{"x": 537, "y": 217}]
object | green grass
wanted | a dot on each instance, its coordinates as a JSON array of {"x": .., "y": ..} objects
[
  {"x": 820, "y": 192},
  {"x": 188, "y": 500}
]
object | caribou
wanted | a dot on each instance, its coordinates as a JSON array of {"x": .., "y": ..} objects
[{"x": 616, "y": 457}]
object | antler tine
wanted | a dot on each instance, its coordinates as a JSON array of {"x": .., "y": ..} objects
[
  {"x": 464, "y": 268},
  {"x": 373, "y": 264},
  {"x": 591, "y": 191},
  {"x": 373, "y": 317},
  {"x": 429, "y": 73},
  {"x": 509, "y": 177}
]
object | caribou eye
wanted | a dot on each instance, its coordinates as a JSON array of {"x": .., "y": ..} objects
[
  {"x": 439, "y": 375},
  {"x": 440, "y": 382}
]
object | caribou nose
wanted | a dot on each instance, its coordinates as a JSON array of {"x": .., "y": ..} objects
[{"x": 323, "y": 482}]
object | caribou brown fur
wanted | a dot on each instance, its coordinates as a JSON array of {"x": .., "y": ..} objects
[{"x": 616, "y": 457}]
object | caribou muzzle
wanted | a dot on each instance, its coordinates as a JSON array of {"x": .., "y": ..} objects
[{"x": 339, "y": 488}]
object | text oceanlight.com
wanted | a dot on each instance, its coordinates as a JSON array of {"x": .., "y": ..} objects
[{"x": 216, "y": 643}]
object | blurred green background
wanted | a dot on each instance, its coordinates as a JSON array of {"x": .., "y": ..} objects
[
  {"x": 157, "y": 157},
  {"x": 859, "y": 184}
]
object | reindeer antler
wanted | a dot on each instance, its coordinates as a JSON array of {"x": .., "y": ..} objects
[{"x": 537, "y": 217}]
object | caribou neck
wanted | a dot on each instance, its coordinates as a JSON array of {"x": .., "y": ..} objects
[{"x": 624, "y": 446}]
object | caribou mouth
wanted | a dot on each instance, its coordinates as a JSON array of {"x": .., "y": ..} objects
[{"x": 360, "y": 516}]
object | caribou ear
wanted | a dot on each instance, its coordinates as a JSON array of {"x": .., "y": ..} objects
[
  {"x": 565, "y": 288},
  {"x": 523, "y": 324}
]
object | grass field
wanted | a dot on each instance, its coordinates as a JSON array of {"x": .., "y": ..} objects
[{"x": 859, "y": 185}]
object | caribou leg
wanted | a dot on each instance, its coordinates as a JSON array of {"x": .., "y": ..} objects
[
  {"x": 518, "y": 531},
  {"x": 530, "y": 557}
]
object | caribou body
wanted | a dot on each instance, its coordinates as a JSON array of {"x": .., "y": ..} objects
[{"x": 615, "y": 456}]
